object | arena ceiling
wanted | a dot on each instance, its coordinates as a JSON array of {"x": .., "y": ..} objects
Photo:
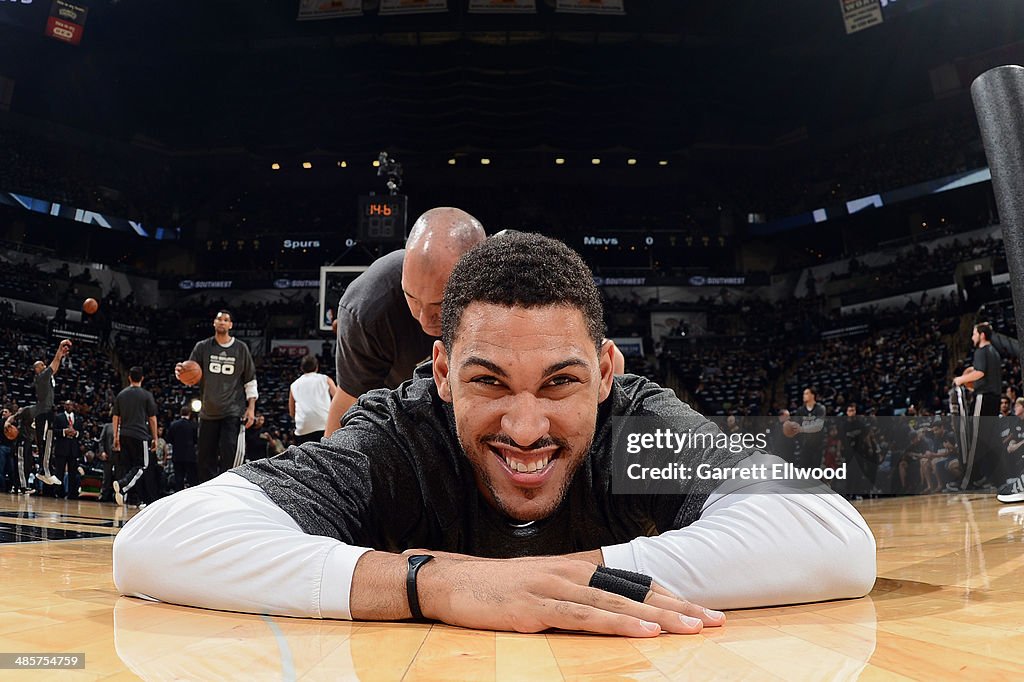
[{"x": 668, "y": 76}]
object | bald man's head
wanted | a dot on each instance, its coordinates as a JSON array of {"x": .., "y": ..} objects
[{"x": 437, "y": 240}]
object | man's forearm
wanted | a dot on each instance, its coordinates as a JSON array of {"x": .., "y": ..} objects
[
  {"x": 807, "y": 547},
  {"x": 339, "y": 406},
  {"x": 378, "y": 587},
  {"x": 228, "y": 546}
]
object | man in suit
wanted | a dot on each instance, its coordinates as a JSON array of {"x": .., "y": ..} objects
[{"x": 66, "y": 452}]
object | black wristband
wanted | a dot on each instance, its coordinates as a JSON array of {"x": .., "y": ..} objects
[{"x": 415, "y": 562}]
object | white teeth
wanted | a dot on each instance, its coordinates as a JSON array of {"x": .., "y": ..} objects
[{"x": 524, "y": 468}]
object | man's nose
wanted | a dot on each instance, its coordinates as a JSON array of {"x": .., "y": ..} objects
[{"x": 525, "y": 421}]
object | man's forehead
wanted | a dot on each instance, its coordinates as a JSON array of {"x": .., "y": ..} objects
[{"x": 491, "y": 329}]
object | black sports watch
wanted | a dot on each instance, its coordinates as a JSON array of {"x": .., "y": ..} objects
[{"x": 416, "y": 561}]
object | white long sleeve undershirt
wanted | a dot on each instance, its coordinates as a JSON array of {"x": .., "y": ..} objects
[{"x": 225, "y": 545}]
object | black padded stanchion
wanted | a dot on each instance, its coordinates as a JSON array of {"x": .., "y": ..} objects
[{"x": 998, "y": 96}]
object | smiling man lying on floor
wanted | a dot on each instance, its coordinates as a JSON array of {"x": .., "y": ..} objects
[{"x": 497, "y": 472}]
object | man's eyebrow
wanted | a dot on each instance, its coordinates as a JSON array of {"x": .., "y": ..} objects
[
  {"x": 486, "y": 364},
  {"x": 551, "y": 369},
  {"x": 559, "y": 366}
]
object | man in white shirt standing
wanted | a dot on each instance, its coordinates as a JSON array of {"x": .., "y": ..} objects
[
  {"x": 309, "y": 399},
  {"x": 482, "y": 496}
]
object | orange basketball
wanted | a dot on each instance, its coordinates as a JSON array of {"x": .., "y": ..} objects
[
  {"x": 90, "y": 306},
  {"x": 191, "y": 373},
  {"x": 11, "y": 432}
]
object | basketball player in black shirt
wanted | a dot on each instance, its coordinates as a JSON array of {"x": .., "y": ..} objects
[
  {"x": 986, "y": 373},
  {"x": 808, "y": 426},
  {"x": 229, "y": 394}
]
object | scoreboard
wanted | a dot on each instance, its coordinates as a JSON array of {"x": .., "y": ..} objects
[{"x": 382, "y": 218}]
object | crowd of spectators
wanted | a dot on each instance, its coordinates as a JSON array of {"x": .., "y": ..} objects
[{"x": 921, "y": 267}]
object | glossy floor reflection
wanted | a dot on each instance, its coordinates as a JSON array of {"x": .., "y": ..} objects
[{"x": 948, "y": 602}]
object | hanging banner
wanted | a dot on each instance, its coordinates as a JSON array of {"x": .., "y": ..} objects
[
  {"x": 88, "y": 217},
  {"x": 412, "y": 6},
  {"x": 591, "y": 6},
  {"x": 314, "y": 10},
  {"x": 502, "y": 6},
  {"x": 860, "y": 14},
  {"x": 66, "y": 22}
]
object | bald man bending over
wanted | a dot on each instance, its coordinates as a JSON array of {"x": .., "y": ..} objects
[{"x": 379, "y": 342}]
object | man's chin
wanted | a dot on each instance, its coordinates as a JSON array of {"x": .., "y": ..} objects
[{"x": 526, "y": 511}]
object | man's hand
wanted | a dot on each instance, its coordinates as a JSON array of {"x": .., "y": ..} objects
[
  {"x": 521, "y": 595},
  {"x": 64, "y": 348},
  {"x": 117, "y": 443},
  {"x": 250, "y": 417}
]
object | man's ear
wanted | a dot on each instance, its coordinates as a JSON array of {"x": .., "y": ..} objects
[
  {"x": 606, "y": 361},
  {"x": 440, "y": 367}
]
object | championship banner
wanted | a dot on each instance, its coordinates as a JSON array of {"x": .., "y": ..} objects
[
  {"x": 591, "y": 6},
  {"x": 412, "y": 6},
  {"x": 502, "y": 6},
  {"x": 66, "y": 22},
  {"x": 314, "y": 10},
  {"x": 860, "y": 14}
]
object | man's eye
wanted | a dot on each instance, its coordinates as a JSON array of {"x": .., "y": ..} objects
[
  {"x": 563, "y": 380},
  {"x": 485, "y": 380}
]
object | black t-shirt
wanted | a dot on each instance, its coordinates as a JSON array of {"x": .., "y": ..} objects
[
  {"x": 182, "y": 435},
  {"x": 396, "y": 477},
  {"x": 853, "y": 431},
  {"x": 226, "y": 371},
  {"x": 25, "y": 421},
  {"x": 1016, "y": 434},
  {"x": 803, "y": 416},
  {"x": 44, "y": 390},
  {"x": 135, "y": 405},
  {"x": 379, "y": 341},
  {"x": 987, "y": 360}
]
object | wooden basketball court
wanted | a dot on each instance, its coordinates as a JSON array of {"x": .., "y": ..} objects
[{"x": 949, "y": 601}]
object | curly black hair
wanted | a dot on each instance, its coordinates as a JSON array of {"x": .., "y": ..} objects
[{"x": 525, "y": 270}]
